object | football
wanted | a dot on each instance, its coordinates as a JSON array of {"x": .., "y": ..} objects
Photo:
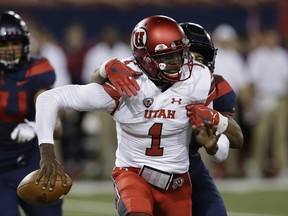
[{"x": 34, "y": 194}]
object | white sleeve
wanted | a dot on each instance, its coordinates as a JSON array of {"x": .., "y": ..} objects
[
  {"x": 79, "y": 97},
  {"x": 223, "y": 149}
]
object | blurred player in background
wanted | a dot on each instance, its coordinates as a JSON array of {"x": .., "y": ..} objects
[
  {"x": 151, "y": 173},
  {"x": 22, "y": 79}
]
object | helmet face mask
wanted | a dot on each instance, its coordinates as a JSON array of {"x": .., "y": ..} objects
[
  {"x": 14, "y": 41},
  {"x": 10, "y": 51},
  {"x": 169, "y": 65},
  {"x": 161, "y": 49},
  {"x": 200, "y": 42}
]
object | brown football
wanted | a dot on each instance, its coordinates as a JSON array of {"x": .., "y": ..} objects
[{"x": 34, "y": 194}]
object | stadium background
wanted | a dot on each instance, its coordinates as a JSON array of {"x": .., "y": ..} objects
[{"x": 93, "y": 196}]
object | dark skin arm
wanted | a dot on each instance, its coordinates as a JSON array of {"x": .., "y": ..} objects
[
  {"x": 50, "y": 167},
  {"x": 48, "y": 157},
  {"x": 198, "y": 113},
  {"x": 206, "y": 137},
  {"x": 234, "y": 133}
]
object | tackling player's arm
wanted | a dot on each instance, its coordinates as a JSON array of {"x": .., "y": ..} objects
[
  {"x": 215, "y": 143},
  {"x": 206, "y": 137},
  {"x": 225, "y": 124},
  {"x": 233, "y": 132},
  {"x": 224, "y": 101}
]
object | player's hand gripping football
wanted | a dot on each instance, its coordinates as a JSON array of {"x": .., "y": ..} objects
[
  {"x": 206, "y": 137},
  {"x": 50, "y": 167},
  {"x": 122, "y": 77}
]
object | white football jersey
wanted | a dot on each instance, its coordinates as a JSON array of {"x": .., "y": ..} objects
[{"x": 153, "y": 128}]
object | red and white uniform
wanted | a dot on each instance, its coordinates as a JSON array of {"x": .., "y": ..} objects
[
  {"x": 146, "y": 135},
  {"x": 152, "y": 127}
]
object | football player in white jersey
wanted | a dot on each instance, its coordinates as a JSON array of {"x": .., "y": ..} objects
[{"x": 153, "y": 130}]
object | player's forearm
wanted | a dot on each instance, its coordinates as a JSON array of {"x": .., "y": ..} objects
[
  {"x": 58, "y": 128},
  {"x": 48, "y": 105},
  {"x": 78, "y": 97},
  {"x": 46, "y": 117},
  {"x": 97, "y": 78},
  {"x": 58, "y": 132},
  {"x": 47, "y": 150},
  {"x": 234, "y": 134}
]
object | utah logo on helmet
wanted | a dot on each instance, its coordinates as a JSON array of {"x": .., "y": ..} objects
[{"x": 161, "y": 48}]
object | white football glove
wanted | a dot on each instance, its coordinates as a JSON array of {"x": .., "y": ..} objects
[{"x": 24, "y": 132}]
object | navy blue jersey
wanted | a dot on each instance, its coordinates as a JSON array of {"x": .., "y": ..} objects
[
  {"x": 223, "y": 100},
  {"x": 206, "y": 198},
  {"x": 17, "y": 94}
]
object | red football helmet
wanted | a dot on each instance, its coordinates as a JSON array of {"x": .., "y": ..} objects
[{"x": 161, "y": 48}]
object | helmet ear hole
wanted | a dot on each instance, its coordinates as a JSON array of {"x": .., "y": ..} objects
[{"x": 13, "y": 27}]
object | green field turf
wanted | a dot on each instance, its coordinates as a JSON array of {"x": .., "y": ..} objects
[
  {"x": 242, "y": 198},
  {"x": 272, "y": 203},
  {"x": 257, "y": 203}
]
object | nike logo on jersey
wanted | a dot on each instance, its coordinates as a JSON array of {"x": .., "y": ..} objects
[
  {"x": 113, "y": 69},
  {"x": 20, "y": 83},
  {"x": 165, "y": 114}
]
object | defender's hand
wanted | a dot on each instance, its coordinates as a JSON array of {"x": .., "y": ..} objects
[
  {"x": 50, "y": 167},
  {"x": 206, "y": 137},
  {"x": 24, "y": 132},
  {"x": 199, "y": 113},
  {"x": 121, "y": 76}
]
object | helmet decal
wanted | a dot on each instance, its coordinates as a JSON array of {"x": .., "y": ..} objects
[{"x": 140, "y": 38}]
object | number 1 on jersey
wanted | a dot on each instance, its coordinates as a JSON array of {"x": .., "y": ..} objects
[{"x": 155, "y": 131}]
